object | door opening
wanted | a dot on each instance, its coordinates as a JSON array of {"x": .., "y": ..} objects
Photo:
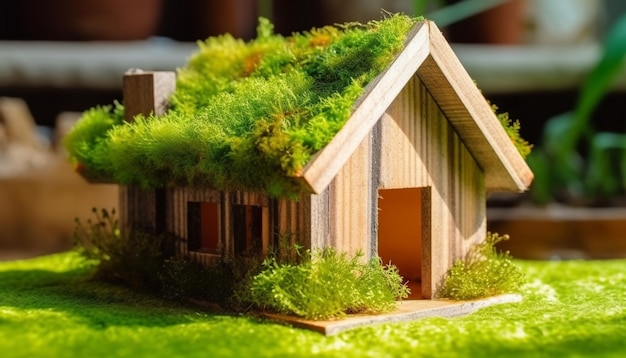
[{"x": 400, "y": 234}]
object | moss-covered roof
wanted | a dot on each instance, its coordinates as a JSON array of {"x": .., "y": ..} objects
[{"x": 244, "y": 114}]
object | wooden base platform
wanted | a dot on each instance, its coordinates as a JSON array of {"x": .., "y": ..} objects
[{"x": 407, "y": 311}]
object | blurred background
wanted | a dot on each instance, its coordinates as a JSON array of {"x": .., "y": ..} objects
[{"x": 532, "y": 58}]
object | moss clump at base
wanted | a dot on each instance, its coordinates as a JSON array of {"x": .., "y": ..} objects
[
  {"x": 325, "y": 284},
  {"x": 484, "y": 272},
  {"x": 316, "y": 285},
  {"x": 142, "y": 260}
]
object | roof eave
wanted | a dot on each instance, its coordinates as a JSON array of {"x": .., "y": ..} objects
[
  {"x": 472, "y": 117},
  {"x": 428, "y": 55},
  {"x": 378, "y": 96}
]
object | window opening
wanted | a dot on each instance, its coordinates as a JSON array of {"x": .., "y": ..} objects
[
  {"x": 248, "y": 229},
  {"x": 203, "y": 227}
]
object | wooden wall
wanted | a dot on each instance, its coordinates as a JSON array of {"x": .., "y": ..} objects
[
  {"x": 282, "y": 219},
  {"x": 342, "y": 214},
  {"x": 419, "y": 148}
]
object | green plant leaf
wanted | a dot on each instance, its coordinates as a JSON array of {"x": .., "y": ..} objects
[
  {"x": 599, "y": 82},
  {"x": 462, "y": 10},
  {"x": 555, "y": 168},
  {"x": 541, "y": 189},
  {"x": 561, "y": 165},
  {"x": 605, "y": 176},
  {"x": 602, "y": 76}
]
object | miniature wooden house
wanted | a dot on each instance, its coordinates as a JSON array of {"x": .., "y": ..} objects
[{"x": 406, "y": 178}]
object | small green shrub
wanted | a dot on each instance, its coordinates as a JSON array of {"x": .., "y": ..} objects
[
  {"x": 326, "y": 284},
  {"x": 137, "y": 259},
  {"x": 484, "y": 272},
  {"x": 131, "y": 258},
  {"x": 217, "y": 282}
]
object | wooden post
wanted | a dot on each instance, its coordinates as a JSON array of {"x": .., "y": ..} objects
[{"x": 145, "y": 93}]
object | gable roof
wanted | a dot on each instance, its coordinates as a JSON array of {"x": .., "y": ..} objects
[{"x": 428, "y": 55}]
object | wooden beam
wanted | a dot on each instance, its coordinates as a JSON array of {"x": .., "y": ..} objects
[
  {"x": 147, "y": 92},
  {"x": 379, "y": 94},
  {"x": 472, "y": 118}
]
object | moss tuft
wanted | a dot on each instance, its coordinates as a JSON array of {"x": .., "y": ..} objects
[
  {"x": 512, "y": 129},
  {"x": 484, "y": 272},
  {"x": 325, "y": 284},
  {"x": 244, "y": 115},
  {"x": 128, "y": 258}
]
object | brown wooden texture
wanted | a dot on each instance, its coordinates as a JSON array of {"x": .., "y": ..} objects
[
  {"x": 144, "y": 93},
  {"x": 147, "y": 92},
  {"x": 341, "y": 214},
  {"x": 472, "y": 118},
  {"x": 407, "y": 310},
  {"x": 428, "y": 55},
  {"x": 281, "y": 219},
  {"x": 137, "y": 208},
  {"x": 17, "y": 123},
  {"x": 561, "y": 232},
  {"x": 420, "y": 149},
  {"x": 291, "y": 221},
  {"x": 176, "y": 208}
]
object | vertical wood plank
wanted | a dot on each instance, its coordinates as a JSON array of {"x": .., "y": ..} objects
[
  {"x": 349, "y": 203},
  {"x": 421, "y": 149},
  {"x": 147, "y": 92},
  {"x": 320, "y": 218}
]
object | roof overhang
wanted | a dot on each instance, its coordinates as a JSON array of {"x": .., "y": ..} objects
[{"x": 429, "y": 56}]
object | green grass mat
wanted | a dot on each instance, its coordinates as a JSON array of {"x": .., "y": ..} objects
[{"x": 49, "y": 308}]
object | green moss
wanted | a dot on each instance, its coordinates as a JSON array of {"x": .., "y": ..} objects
[
  {"x": 246, "y": 115},
  {"x": 512, "y": 129},
  {"x": 87, "y": 140},
  {"x": 325, "y": 284},
  {"x": 483, "y": 272}
]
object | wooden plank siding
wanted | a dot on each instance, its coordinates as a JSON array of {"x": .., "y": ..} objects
[
  {"x": 341, "y": 214},
  {"x": 472, "y": 117},
  {"x": 177, "y": 200},
  {"x": 290, "y": 222},
  {"x": 138, "y": 208},
  {"x": 420, "y": 149},
  {"x": 281, "y": 219}
]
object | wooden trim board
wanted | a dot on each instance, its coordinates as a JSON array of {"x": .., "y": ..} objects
[
  {"x": 378, "y": 95},
  {"x": 429, "y": 56},
  {"x": 408, "y": 310}
]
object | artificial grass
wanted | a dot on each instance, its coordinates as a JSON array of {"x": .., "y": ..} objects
[{"x": 49, "y": 308}]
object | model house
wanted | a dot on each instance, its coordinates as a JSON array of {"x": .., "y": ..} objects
[{"x": 406, "y": 178}]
